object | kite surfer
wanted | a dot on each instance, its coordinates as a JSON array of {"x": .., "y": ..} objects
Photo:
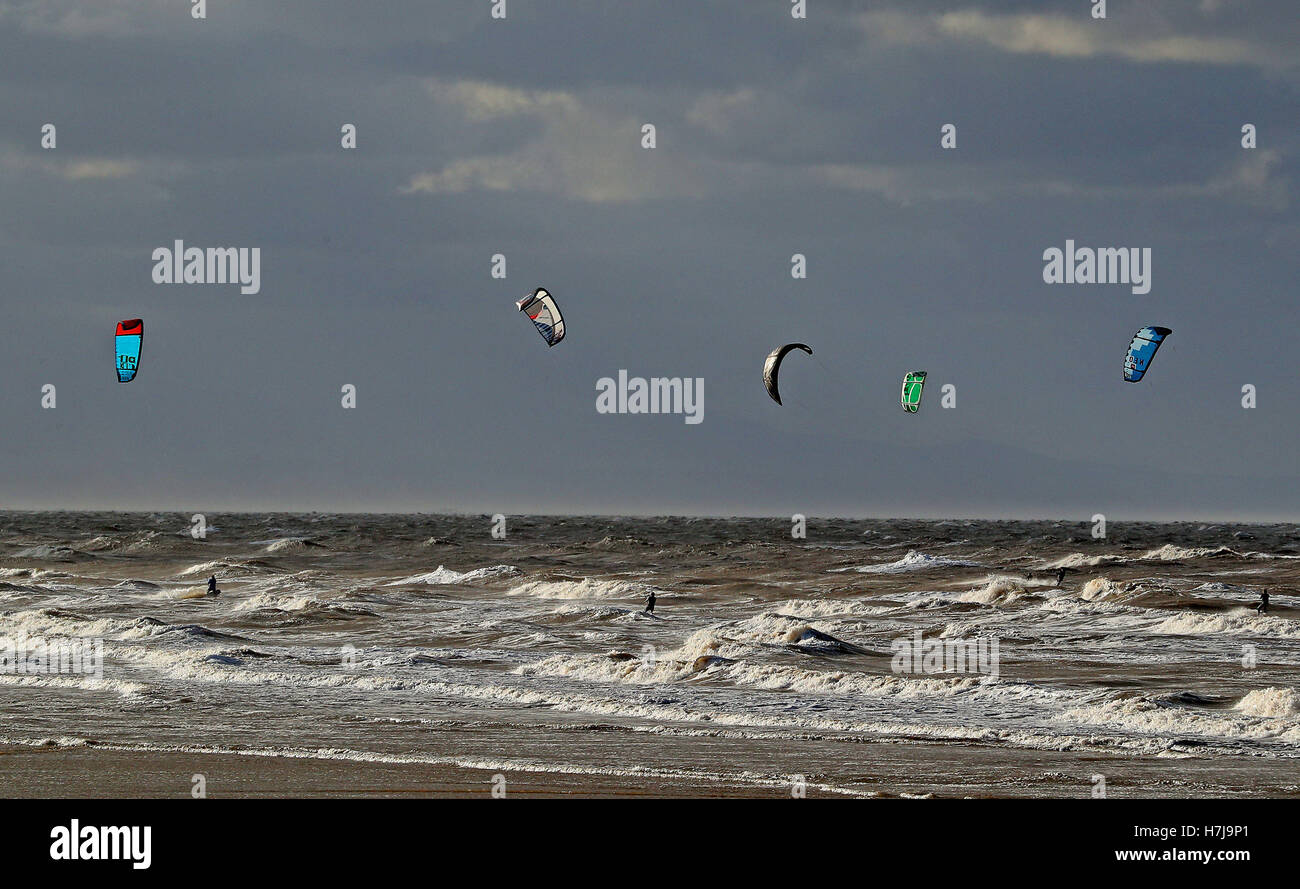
[
  {"x": 1060, "y": 575},
  {"x": 212, "y": 586},
  {"x": 650, "y": 603},
  {"x": 1262, "y": 607}
]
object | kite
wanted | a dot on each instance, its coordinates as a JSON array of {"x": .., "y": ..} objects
[
  {"x": 1140, "y": 352},
  {"x": 544, "y": 313},
  {"x": 129, "y": 340},
  {"x": 913, "y": 383},
  {"x": 773, "y": 365}
]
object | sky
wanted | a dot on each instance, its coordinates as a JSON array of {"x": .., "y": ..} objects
[{"x": 774, "y": 136}]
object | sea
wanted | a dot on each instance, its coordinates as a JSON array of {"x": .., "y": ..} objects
[{"x": 868, "y": 658}]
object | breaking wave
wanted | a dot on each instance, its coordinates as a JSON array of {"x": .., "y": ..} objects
[
  {"x": 443, "y": 575},
  {"x": 913, "y": 561}
]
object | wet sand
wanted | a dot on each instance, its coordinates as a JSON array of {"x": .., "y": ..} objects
[
  {"x": 42, "y": 773},
  {"x": 888, "y": 771}
]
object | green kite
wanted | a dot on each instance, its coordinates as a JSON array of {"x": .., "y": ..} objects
[{"x": 913, "y": 383}]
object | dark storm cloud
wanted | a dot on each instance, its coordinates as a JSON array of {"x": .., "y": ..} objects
[{"x": 776, "y": 136}]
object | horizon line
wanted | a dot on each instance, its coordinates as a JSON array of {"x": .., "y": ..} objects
[{"x": 1110, "y": 519}]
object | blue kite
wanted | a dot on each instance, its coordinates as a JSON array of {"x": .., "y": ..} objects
[{"x": 1140, "y": 352}]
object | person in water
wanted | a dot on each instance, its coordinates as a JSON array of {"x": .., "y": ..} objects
[
  {"x": 1060, "y": 575},
  {"x": 650, "y": 604},
  {"x": 212, "y": 586},
  {"x": 1262, "y": 607}
]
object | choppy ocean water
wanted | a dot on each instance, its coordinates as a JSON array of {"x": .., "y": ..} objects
[{"x": 425, "y": 639}]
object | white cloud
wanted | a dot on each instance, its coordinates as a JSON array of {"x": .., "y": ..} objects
[
  {"x": 98, "y": 169},
  {"x": 79, "y": 19},
  {"x": 578, "y": 152},
  {"x": 1252, "y": 180},
  {"x": 151, "y": 173},
  {"x": 593, "y": 154},
  {"x": 1148, "y": 40},
  {"x": 317, "y": 22},
  {"x": 482, "y": 101},
  {"x": 721, "y": 112}
]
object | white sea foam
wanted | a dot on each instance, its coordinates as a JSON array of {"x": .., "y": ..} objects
[
  {"x": 46, "y": 551},
  {"x": 1145, "y": 715},
  {"x": 297, "y": 603},
  {"x": 586, "y": 588},
  {"x": 1002, "y": 589},
  {"x": 443, "y": 575},
  {"x": 45, "y": 622},
  {"x": 913, "y": 561},
  {"x": 179, "y": 664},
  {"x": 1238, "y": 621},
  {"x": 224, "y": 568},
  {"x": 1082, "y": 560},
  {"x": 291, "y": 545},
  {"x": 1166, "y": 553},
  {"x": 1270, "y": 702},
  {"x": 1171, "y": 553},
  {"x": 67, "y": 681},
  {"x": 838, "y": 608},
  {"x": 146, "y": 542},
  {"x": 1100, "y": 588},
  {"x": 706, "y": 658}
]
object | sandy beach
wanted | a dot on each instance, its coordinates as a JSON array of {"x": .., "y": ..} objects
[{"x": 889, "y": 771}]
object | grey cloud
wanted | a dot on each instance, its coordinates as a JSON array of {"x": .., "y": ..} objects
[{"x": 522, "y": 138}]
